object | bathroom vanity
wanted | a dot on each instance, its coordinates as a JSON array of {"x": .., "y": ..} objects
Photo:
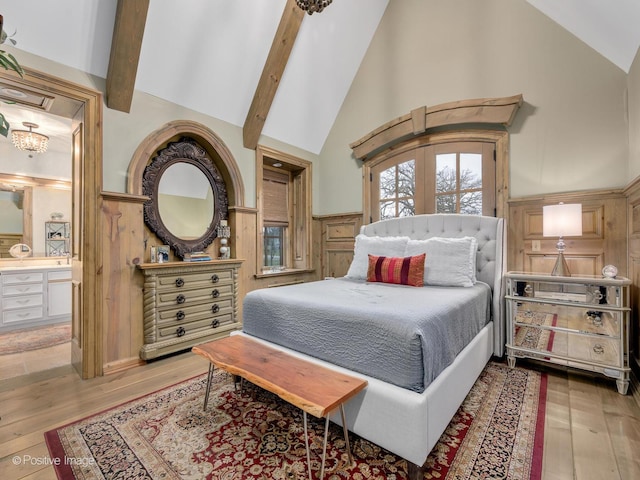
[{"x": 34, "y": 295}]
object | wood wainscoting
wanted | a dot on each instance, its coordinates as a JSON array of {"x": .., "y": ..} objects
[
  {"x": 603, "y": 240},
  {"x": 337, "y": 235},
  {"x": 123, "y": 249},
  {"x": 633, "y": 218}
]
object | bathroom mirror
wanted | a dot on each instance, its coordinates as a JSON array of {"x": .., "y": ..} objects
[{"x": 187, "y": 196}]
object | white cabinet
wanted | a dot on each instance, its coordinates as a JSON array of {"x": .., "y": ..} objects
[
  {"x": 34, "y": 296},
  {"x": 59, "y": 293}
]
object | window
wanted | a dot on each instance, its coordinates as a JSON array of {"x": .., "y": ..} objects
[
  {"x": 275, "y": 216},
  {"x": 433, "y": 177},
  {"x": 283, "y": 188}
]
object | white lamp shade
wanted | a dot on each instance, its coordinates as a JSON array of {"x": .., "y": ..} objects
[{"x": 562, "y": 220}]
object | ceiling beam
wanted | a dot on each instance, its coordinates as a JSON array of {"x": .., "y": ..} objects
[
  {"x": 128, "y": 30},
  {"x": 272, "y": 73}
]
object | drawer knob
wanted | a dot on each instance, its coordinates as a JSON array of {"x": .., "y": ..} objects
[
  {"x": 215, "y": 323},
  {"x": 215, "y": 278},
  {"x": 215, "y": 293},
  {"x": 180, "y": 315},
  {"x": 215, "y": 308},
  {"x": 528, "y": 289},
  {"x": 599, "y": 349},
  {"x": 179, "y": 282},
  {"x": 180, "y": 299},
  {"x": 180, "y": 331}
]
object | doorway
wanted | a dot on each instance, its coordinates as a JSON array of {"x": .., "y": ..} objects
[{"x": 84, "y": 107}]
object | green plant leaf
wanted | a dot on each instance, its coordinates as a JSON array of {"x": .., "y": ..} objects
[
  {"x": 9, "y": 62},
  {"x": 4, "y": 126}
]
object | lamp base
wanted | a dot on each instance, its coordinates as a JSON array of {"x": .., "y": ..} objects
[{"x": 561, "y": 269}]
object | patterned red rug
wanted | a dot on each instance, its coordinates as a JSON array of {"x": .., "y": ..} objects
[
  {"x": 497, "y": 433},
  {"x": 34, "y": 338}
]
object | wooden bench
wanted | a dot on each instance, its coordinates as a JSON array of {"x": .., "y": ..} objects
[{"x": 312, "y": 388}]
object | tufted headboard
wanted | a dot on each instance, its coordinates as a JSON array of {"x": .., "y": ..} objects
[{"x": 490, "y": 260}]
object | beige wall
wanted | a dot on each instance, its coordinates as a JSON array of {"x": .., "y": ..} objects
[
  {"x": 123, "y": 132},
  {"x": 633, "y": 86},
  {"x": 571, "y": 133}
]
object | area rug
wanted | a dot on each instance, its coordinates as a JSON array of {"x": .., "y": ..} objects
[
  {"x": 496, "y": 433},
  {"x": 34, "y": 338}
]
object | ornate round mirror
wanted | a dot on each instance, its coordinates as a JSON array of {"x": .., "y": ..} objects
[{"x": 187, "y": 196}]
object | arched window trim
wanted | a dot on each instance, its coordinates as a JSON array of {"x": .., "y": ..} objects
[
  {"x": 419, "y": 127},
  {"x": 499, "y": 138}
]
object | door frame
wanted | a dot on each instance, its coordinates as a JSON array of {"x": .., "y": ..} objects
[{"x": 87, "y": 345}]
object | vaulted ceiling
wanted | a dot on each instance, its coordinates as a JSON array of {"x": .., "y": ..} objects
[{"x": 219, "y": 57}]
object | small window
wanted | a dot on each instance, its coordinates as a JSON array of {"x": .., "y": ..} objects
[
  {"x": 283, "y": 188},
  {"x": 275, "y": 216},
  {"x": 274, "y": 243}
]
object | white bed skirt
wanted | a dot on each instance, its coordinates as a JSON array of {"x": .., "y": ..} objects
[{"x": 404, "y": 422}]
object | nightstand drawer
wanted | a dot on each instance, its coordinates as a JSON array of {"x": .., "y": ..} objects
[
  {"x": 578, "y": 319},
  {"x": 549, "y": 343},
  {"x": 569, "y": 292}
]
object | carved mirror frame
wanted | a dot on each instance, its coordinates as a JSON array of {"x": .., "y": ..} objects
[{"x": 186, "y": 150}]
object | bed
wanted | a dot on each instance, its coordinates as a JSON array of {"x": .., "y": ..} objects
[{"x": 389, "y": 331}]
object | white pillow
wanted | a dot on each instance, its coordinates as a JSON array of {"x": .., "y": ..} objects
[
  {"x": 385, "y": 246},
  {"x": 450, "y": 262}
]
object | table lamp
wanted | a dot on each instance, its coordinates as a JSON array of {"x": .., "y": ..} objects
[{"x": 562, "y": 220}]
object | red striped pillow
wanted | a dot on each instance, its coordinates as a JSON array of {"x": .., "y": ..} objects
[{"x": 399, "y": 270}]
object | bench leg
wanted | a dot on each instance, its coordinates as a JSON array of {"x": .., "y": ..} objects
[
  {"x": 346, "y": 433},
  {"x": 306, "y": 443},
  {"x": 324, "y": 446},
  {"x": 209, "y": 381},
  {"x": 324, "y": 443},
  {"x": 414, "y": 472}
]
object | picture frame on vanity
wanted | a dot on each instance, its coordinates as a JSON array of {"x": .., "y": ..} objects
[
  {"x": 153, "y": 256},
  {"x": 162, "y": 252}
]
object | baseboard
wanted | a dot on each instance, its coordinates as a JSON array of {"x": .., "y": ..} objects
[{"x": 121, "y": 365}]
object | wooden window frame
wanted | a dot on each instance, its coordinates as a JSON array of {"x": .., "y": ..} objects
[
  {"x": 298, "y": 246},
  {"x": 499, "y": 138}
]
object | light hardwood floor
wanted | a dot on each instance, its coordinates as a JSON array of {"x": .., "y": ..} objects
[{"x": 591, "y": 432}]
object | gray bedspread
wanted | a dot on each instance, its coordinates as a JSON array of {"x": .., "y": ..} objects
[{"x": 399, "y": 334}]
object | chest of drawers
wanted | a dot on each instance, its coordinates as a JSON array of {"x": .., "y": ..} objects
[
  {"x": 579, "y": 322},
  {"x": 188, "y": 303}
]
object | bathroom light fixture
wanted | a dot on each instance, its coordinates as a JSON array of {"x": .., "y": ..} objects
[
  {"x": 28, "y": 140},
  {"x": 562, "y": 220}
]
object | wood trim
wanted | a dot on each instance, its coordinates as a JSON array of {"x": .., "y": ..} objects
[
  {"x": 214, "y": 146},
  {"x": 632, "y": 192},
  {"x": 272, "y": 73},
  {"x": 23, "y": 180},
  {"x": 498, "y": 137},
  {"x": 124, "y": 197},
  {"x": 87, "y": 280},
  {"x": 126, "y": 43},
  {"x": 496, "y": 111},
  {"x": 301, "y": 193}
]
